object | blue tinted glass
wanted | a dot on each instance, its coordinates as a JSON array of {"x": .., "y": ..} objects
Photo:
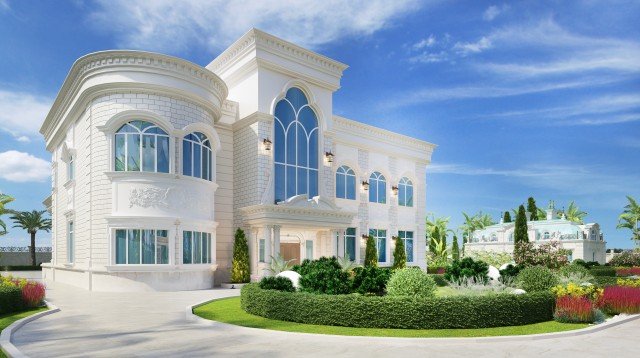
[
  {"x": 382, "y": 248},
  {"x": 134, "y": 247},
  {"x": 197, "y": 161},
  {"x": 186, "y": 247},
  {"x": 261, "y": 250},
  {"x": 302, "y": 182},
  {"x": 382, "y": 192},
  {"x": 278, "y": 146},
  {"x": 162, "y": 247},
  {"x": 148, "y": 246},
  {"x": 408, "y": 246},
  {"x": 186, "y": 158},
  {"x": 280, "y": 194},
  {"x": 340, "y": 185},
  {"x": 148, "y": 153},
  {"x": 309, "y": 249},
  {"x": 127, "y": 128},
  {"x": 133, "y": 152},
  {"x": 303, "y": 159},
  {"x": 308, "y": 119},
  {"x": 373, "y": 190},
  {"x": 409, "y": 200},
  {"x": 163, "y": 154},
  {"x": 120, "y": 152},
  {"x": 205, "y": 162},
  {"x": 121, "y": 246},
  {"x": 285, "y": 113},
  {"x": 313, "y": 150},
  {"x": 296, "y": 97},
  {"x": 197, "y": 247},
  {"x": 291, "y": 181},
  {"x": 313, "y": 183},
  {"x": 291, "y": 145},
  {"x": 351, "y": 187}
]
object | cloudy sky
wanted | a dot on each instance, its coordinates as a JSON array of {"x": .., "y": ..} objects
[{"x": 531, "y": 98}]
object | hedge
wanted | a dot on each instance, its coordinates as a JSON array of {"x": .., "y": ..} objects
[
  {"x": 399, "y": 312},
  {"x": 10, "y": 299},
  {"x": 603, "y": 271},
  {"x": 21, "y": 268},
  {"x": 440, "y": 280},
  {"x": 605, "y": 281}
]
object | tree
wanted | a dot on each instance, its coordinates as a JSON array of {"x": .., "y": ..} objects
[
  {"x": 476, "y": 222},
  {"x": 520, "y": 231},
  {"x": 4, "y": 200},
  {"x": 434, "y": 240},
  {"x": 533, "y": 209},
  {"x": 574, "y": 214},
  {"x": 32, "y": 222},
  {"x": 507, "y": 217},
  {"x": 630, "y": 218},
  {"x": 371, "y": 253},
  {"x": 542, "y": 214},
  {"x": 455, "y": 250},
  {"x": 240, "y": 270},
  {"x": 399, "y": 254}
]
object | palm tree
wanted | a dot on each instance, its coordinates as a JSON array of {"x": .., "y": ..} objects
[
  {"x": 629, "y": 218},
  {"x": 33, "y": 222},
  {"x": 4, "y": 200},
  {"x": 437, "y": 229},
  {"x": 573, "y": 213},
  {"x": 476, "y": 222}
]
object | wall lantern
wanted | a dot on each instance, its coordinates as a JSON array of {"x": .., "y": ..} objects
[
  {"x": 266, "y": 143},
  {"x": 394, "y": 189},
  {"x": 365, "y": 185},
  {"x": 364, "y": 238},
  {"x": 329, "y": 156}
]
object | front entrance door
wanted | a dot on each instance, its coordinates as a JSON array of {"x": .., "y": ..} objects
[{"x": 290, "y": 251}]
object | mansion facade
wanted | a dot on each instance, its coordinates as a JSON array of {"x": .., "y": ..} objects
[{"x": 157, "y": 161}]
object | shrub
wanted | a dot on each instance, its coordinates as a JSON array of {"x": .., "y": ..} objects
[
  {"x": 21, "y": 268},
  {"x": 10, "y": 298},
  {"x": 276, "y": 283},
  {"x": 240, "y": 272},
  {"x": 627, "y": 258},
  {"x": 603, "y": 281},
  {"x": 399, "y": 254},
  {"x": 536, "y": 278},
  {"x": 550, "y": 254},
  {"x": 324, "y": 275},
  {"x": 631, "y": 271},
  {"x": 399, "y": 311},
  {"x": 620, "y": 299},
  {"x": 591, "y": 264},
  {"x": 411, "y": 282},
  {"x": 439, "y": 280},
  {"x": 495, "y": 259},
  {"x": 371, "y": 252},
  {"x": 33, "y": 294},
  {"x": 603, "y": 271},
  {"x": 575, "y": 274},
  {"x": 571, "y": 309},
  {"x": 580, "y": 262},
  {"x": 467, "y": 268},
  {"x": 370, "y": 280},
  {"x": 628, "y": 282},
  {"x": 509, "y": 274},
  {"x": 589, "y": 291},
  {"x": 437, "y": 270}
]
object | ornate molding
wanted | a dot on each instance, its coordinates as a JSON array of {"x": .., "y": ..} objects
[{"x": 172, "y": 197}]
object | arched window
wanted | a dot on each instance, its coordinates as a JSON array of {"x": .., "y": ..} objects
[
  {"x": 511, "y": 236},
  {"x": 494, "y": 237},
  {"x": 141, "y": 146},
  {"x": 405, "y": 192},
  {"x": 295, "y": 147},
  {"x": 546, "y": 236},
  {"x": 197, "y": 156},
  {"x": 377, "y": 188},
  {"x": 345, "y": 183}
]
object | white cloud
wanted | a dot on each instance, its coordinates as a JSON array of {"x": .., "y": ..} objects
[
  {"x": 169, "y": 25},
  {"x": 23, "y": 139},
  {"x": 4, "y": 5},
  {"x": 428, "y": 42},
  {"x": 465, "y": 48},
  {"x": 23, "y": 167},
  {"x": 22, "y": 114},
  {"x": 429, "y": 57},
  {"x": 493, "y": 11}
]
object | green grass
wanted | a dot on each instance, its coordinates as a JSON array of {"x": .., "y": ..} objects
[
  {"x": 7, "y": 319},
  {"x": 228, "y": 310}
]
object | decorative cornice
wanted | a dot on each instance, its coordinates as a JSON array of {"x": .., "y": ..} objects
[
  {"x": 256, "y": 39},
  {"x": 251, "y": 119}
]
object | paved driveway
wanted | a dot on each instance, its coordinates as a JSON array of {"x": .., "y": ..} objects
[{"x": 94, "y": 324}]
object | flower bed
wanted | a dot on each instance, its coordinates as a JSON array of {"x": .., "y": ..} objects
[
  {"x": 628, "y": 271},
  {"x": 355, "y": 310},
  {"x": 29, "y": 294},
  {"x": 620, "y": 299}
]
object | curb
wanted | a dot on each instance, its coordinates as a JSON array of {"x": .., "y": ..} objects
[
  {"x": 191, "y": 317},
  {"x": 5, "y": 338}
]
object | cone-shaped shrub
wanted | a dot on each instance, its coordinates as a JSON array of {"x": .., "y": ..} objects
[
  {"x": 371, "y": 253},
  {"x": 240, "y": 271},
  {"x": 399, "y": 254}
]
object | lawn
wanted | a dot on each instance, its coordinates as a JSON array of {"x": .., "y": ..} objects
[
  {"x": 7, "y": 319},
  {"x": 228, "y": 310}
]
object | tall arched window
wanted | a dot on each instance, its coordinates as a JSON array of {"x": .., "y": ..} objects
[
  {"x": 141, "y": 146},
  {"x": 405, "y": 192},
  {"x": 197, "y": 156},
  {"x": 295, "y": 147},
  {"x": 377, "y": 188},
  {"x": 345, "y": 183}
]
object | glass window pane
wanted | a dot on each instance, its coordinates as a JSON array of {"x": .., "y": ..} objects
[
  {"x": 291, "y": 182},
  {"x": 186, "y": 158},
  {"x": 302, "y": 147},
  {"x": 308, "y": 119},
  {"x": 197, "y": 161},
  {"x": 309, "y": 249},
  {"x": 121, "y": 246},
  {"x": 197, "y": 247},
  {"x": 133, "y": 152},
  {"x": 204, "y": 248},
  {"x": 340, "y": 186},
  {"x": 280, "y": 194},
  {"x": 148, "y": 246},
  {"x": 278, "y": 145},
  {"x": 302, "y": 182},
  {"x": 134, "y": 247},
  {"x": 382, "y": 248},
  {"x": 163, "y": 154},
  {"x": 382, "y": 192},
  {"x": 313, "y": 183},
  {"x": 120, "y": 152},
  {"x": 261, "y": 252},
  {"x": 205, "y": 162},
  {"x": 408, "y": 245},
  {"x": 313, "y": 150},
  {"x": 149, "y": 153},
  {"x": 291, "y": 145},
  {"x": 351, "y": 187},
  {"x": 285, "y": 113},
  {"x": 409, "y": 200},
  {"x": 373, "y": 191},
  {"x": 186, "y": 247},
  {"x": 162, "y": 247}
]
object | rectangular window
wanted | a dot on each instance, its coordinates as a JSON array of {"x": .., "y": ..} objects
[
  {"x": 407, "y": 237},
  {"x": 309, "y": 249},
  {"x": 70, "y": 243},
  {"x": 196, "y": 247},
  {"x": 381, "y": 243},
  {"x": 120, "y": 152},
  {"x": 133, "y": 150},
  {"x": 146, "y": 246},
  {"x": 149, "y": 153},
  {"x": 261, "y": 249},
  {"x": 350, "y": 243},
  {"x": 71, "y": 170}
]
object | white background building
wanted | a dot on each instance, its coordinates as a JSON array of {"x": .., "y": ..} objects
[{"x": 156, "y": 162}]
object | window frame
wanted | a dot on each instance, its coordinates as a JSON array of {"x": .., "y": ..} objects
[
  {"x": 141, "y": 151},
  {"x": 206, "y": 257},
  {"x": 141, "y": 251},
  {"x": 376, "y": 235},
  {"x": 404, "y": 233},
  {"x": 404, "y": 184},
  {"x": 71, "y": 245},
  {"x": 378, "y": 181},
  {"x": 204, "y": 147},
  {"x": 346, "y": 173}
]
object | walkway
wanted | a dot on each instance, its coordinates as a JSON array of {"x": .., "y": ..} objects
[{"x": 94, "y": 324}]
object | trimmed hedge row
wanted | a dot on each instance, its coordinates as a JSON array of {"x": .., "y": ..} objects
[
  {"x": 399, "y": 312},
  {"x": 603, "y": 271},
  {"x": 21, "y": 268},
  {"x": 10, "y": 299},
  {"x": 605, "y": 281}
]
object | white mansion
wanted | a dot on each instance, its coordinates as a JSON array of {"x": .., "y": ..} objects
[
  {"x": 157, "y": 161},
  {"x": 584, "y": 241}
]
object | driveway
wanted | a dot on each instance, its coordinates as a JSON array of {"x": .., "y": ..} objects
[{"x": 96, "y": 324}]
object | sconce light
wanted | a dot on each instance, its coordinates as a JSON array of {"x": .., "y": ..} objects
[
  {"x": 364, "y": 237},
  {"x": 266, "y": 143},
  {"x": 365, "y": 185},
  {"x": 394, "y": 189},
  {"x": 329, "y": 156}
]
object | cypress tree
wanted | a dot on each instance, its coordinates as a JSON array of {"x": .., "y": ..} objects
[
  {"x": 455, "y": 250},
  {"x": 371, "y": 253},
  {"x": 433, "y": 239},
  {"x": 532, "y": 208},
  {"x": 520, "y": 231},
  {"x": 240, "y": 271},
  {"x": 507, "y": 217},
  {"x": 399, "y": 255}
]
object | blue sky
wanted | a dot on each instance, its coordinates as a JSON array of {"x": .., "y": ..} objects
[{"x": 531, "y": 98}]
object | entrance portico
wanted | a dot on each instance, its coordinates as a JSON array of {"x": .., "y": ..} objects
[{"x": 316, "y": 225}]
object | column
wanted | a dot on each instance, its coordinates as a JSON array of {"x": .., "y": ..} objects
[
  {"x": 253, "y": 250},
  {"x": 276, "y": 240},
  {"x": 334, "y": 242},
  {"x": 341, "y": 251},
  {"x": 266, "y": 235}
]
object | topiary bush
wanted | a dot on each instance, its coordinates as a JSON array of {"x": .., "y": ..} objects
[
  {"x": 439, "y": 279},
  {"x": 10, "y": 299},
  {"x": 371, "y": 252},
  {"x": 508, "y": 274},
  {"x": 276, "y": 283},
  {"x": 399, "y": 254},
  {"x": 467, "y": 268},
  {"x": 240, "y": 272},
  {"x": 399, "y": 311},
  {"x": 536, "y": 278},
  {"x": 370, "y": 280},
  {"x": 324, "y": 275},
  {"x": 411, "y": 282},
  {"x": 606, "y": 271}
]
